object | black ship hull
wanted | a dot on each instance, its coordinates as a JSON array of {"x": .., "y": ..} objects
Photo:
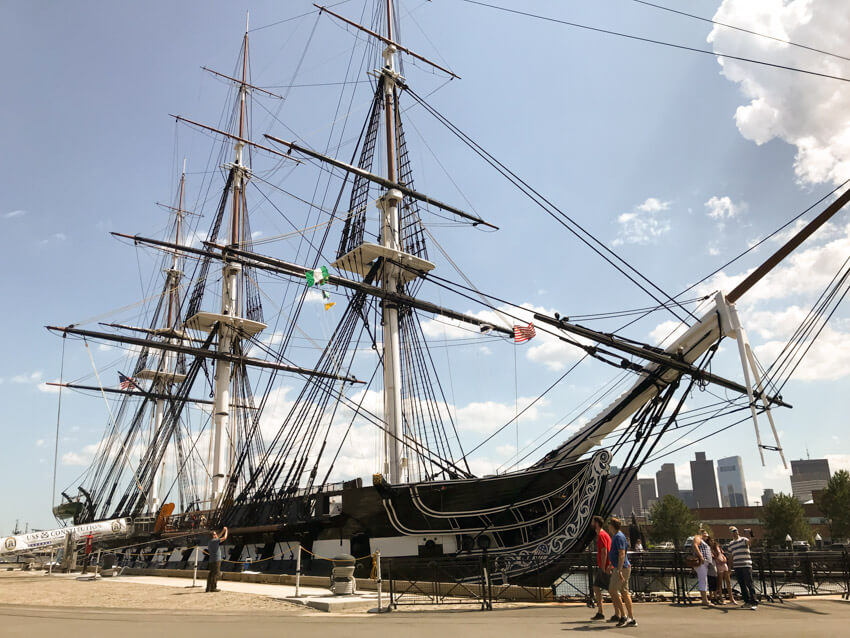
[{"x": 522, "y": 521}]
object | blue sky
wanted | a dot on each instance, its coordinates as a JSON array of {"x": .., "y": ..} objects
[{"x": 675, "y": 162}]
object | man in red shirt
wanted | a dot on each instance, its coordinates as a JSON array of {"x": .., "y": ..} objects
[{"x": 602, "y": 578}]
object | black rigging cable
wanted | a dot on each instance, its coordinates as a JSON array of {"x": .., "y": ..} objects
[
  {"x": 732, "y": 26},
  {"x": 658, "y": 42},
  {"x": 553, "y": 211}
]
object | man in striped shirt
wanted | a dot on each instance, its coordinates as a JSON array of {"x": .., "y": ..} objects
[{"x": 742, "y": 562}]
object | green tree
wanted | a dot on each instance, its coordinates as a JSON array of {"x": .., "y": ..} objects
[
  {"x": 835, "y": 504},
  {"x": 784, "y": 515},
  {"x": 671, "y": 521}
]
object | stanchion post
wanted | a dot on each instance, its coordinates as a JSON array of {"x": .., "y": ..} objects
[
  {"x": 378, "y": 580},
  {"x": 298, "y": 572},
  {"x": 97, "y": 563},
  {"x": 392, "y": 585},
  {"x": 50, "y": 566},
  {"x": 195, "y": 570}
]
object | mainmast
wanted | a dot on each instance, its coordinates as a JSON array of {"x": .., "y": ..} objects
[
  {"x": 229, "y": 306},
  {"x": 228, "y": 322},
  {"x": 389, "y": 204}
]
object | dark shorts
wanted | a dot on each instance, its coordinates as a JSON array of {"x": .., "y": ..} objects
[{"x": 601, "y": 580}]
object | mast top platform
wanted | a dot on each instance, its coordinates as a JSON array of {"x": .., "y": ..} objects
[
  {"x": 359, "y": 260},
  {"x": 206, "y": 321},
  {"x": 160, "y": 376}
]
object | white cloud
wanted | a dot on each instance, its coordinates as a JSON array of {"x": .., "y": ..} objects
[
  {"x": 838, "y": 462},
  {"x": 14, "y": 213},
  {"x": 722, "y": 209},
  {"x": 683, "y": 475},
  {"x": 33, "y": 377},
  {"x": 788, "y": 293},
  {"x": 653, "y": 205},
  {"x": 643, "y": 225},
  {"x": 545, "y": 348},
  {"x": 39, "y": 443},
  {"x": 805, "y": 272},
  {"x": 73, "y": 458},
  {"x": 810, "y": 113},
  {"x": 487, "y": 416},
  {"x": 826, "y": 360},
  {"x": 50, "y": 389},
  {"x": 666, "y": 330},
  {"x": 554, "y": 353}
]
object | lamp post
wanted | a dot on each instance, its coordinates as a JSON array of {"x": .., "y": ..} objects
[{"x": 788, "y": 541}]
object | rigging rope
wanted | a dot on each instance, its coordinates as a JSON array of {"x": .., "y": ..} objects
[
  {"x": 58, "y": 419},
  {"x": 659, "y": 42}
]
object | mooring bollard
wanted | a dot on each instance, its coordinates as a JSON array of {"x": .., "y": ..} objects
[{"x": 298, "y": 572}]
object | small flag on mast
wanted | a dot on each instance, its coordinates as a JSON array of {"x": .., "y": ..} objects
[
  {"x": 126, "y": 382},
  {"x": 524, "y": 333},
  {"x": 328, "y": 303},
  {"x": 316, "y": 277}
]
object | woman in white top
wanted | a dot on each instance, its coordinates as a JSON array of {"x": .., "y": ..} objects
[{"x": 703, "y": 553}]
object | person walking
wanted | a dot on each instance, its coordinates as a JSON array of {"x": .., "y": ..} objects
[
  {"x": 602, "y": 579},
  {"x": 214, "y": 562},
  {"x": 724, "y": 578},
  {"x": 621, "y": 571},
  {"x": 742, "y": 562},
  {"x": 702, "y": 552}
]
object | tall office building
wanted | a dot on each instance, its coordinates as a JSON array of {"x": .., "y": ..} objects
[
  {"x": 704, "y": 481},
  {"x": 687, "y": 497},
  {"x": 630, "y": 500},
  {"x": 666, "y": 480},
  {"x": 808, "y": 475},
  {"x": 647, "y": 493},
  {"x": 766, "y": 496},
  {"x": 730, "y": 478}
]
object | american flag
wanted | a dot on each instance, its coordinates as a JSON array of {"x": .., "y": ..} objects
[
  {"x": 524, "y": 333},
  {"x": 126, "y": 382}
]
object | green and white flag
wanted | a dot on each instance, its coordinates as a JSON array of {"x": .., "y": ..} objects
[{"x": 316, "y": 277}]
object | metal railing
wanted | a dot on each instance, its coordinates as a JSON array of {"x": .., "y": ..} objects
[{"x": 656, "y": 575}]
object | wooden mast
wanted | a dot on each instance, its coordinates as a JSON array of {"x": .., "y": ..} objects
[
  {"x": 164, "y": 378},
  {"x": 389, "y": 204},
  {"x": 223, "y": 430}
]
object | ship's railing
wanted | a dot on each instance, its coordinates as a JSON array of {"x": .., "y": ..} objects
[{"x": 656, "y": 575}]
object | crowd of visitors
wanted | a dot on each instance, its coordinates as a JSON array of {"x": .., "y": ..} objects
[{"x": 712, "y": 563}]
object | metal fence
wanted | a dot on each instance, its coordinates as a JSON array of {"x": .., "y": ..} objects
[{"x": 655, "y": 576}]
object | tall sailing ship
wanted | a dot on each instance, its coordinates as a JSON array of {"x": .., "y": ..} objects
[{"x": 211, "y": 348}]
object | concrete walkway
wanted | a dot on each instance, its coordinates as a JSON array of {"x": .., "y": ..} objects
[{"x": 315, "y": 597}]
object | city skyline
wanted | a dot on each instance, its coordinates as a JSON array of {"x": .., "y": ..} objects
[{"x": 806, "y": 476}]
